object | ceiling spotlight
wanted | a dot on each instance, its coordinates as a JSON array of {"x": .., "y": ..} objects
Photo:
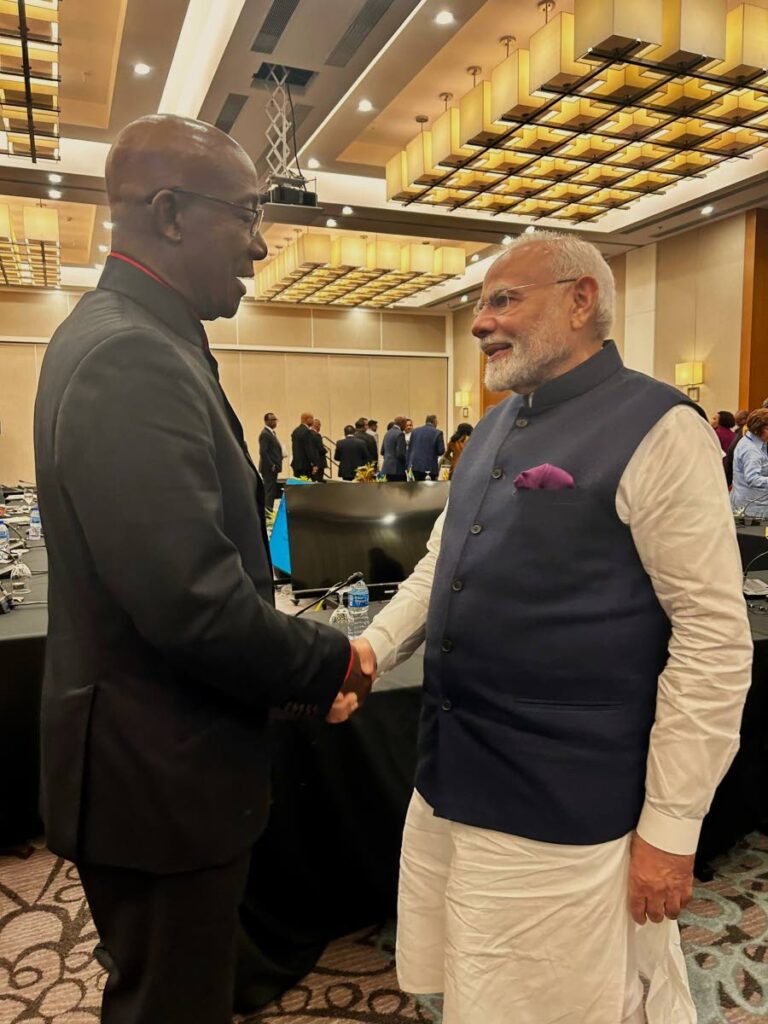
[
  {"x": 55, "y": 179},
  {"x": 141, "y": 69},
  {"x": 103, "y": 248},
  {"x": 365, "y": 106},
  {"x": 444, "y": 18},
  {"x": 465, "y": 298},
  {"x": 108, "y": 224},
  {"x": 331, "y": 223},
  {"x": 54, "y": 193},
  {"x": 506, "y": 240},
  {"x": 474, "y": 258},
  {"x": 347, "y": 211},
  {"x": 530, "y": 230},
  {"x": 313, "y": 164},
  {"x": 707, "y": 210}
]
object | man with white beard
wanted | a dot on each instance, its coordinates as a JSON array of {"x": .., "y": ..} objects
[{"x": 587, "y": 659}]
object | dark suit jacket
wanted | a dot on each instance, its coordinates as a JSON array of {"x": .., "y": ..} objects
[
  {"x": 426, "y": 447},
  {"x": 393, "y": 449},
  {"x": 304, "y": 450},
  {"x": 165, "y": 652},
  {"x": 350, "y": 454},
  {"x": 321, "y": 455},
  {"x": 270, "y": 453},
  {"x": 370, "y": 443}
]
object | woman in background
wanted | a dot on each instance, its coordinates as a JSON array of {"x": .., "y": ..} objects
[
  {"x": 723, "y": 423},
  {"x": 456, "y": 447},
  {"x": 750, "y": 467}
]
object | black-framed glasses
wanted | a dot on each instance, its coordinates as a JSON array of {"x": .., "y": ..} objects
[
  {"x": 502, "y": 301},
  {"x": 256, "y": 214}
]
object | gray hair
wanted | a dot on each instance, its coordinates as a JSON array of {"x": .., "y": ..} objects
[{"x": 570, "y": 256}]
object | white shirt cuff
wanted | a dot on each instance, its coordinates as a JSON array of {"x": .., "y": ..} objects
[{"x": 673, "y": 835}]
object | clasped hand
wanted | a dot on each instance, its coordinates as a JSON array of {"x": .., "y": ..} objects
[{"x": 357, "y": 685}]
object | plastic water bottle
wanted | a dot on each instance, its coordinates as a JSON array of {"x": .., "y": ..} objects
[
  {"x": 358, "y": 609},
  {"x": 5, "y": 542},
  {"x": 35, "y": 524}
]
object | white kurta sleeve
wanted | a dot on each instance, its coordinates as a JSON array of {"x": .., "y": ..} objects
[
  {"x": 674, "y": 498},
  {"x": 398, "y": 630}
]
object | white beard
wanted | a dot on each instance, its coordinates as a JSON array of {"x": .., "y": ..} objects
[{"x": 525, "y": 365}]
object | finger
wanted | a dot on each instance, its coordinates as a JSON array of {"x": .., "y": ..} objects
[
  {"x": 637, "y": 909},
  {"x": 672, "y": 907},
  {"x": 654, "y": 908},
  {"x": 687, "y": 897}
]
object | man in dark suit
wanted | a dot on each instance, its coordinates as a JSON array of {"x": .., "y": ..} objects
[
  {"x": 304, "y": 461},
  {"x": 394, "y": 451},
  {"x": 426, "y": 447},
  {"x": 320, "y": 449},
  {"x": 270, "y": 459},
  {"x": 361, "y": 432},
  {"x": 165, "y": 652},
  {"x": 351, "y": 453}
]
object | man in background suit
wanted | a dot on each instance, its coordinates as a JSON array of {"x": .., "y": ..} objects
[
  {"x": 304, "y": 459},
  {"x": 426, "y": 447},
  {"x": 165, "y": 652},
  {"x": 270, "y": 459},
  {"x": 320, "y": 450},
  {"x": 393, "y": 450},
  {"x": 361, "y": 431},
  {"x": 351, "y": 453}
]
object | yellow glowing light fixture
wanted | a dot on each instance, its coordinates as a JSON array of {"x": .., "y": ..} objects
[
  {"x": 553, "y": 64},
  {"x": 746, "y": 50},
  {"x": 510, "y": 93},
  {"x": 609, "y": 25},
  {"x": 447, "y": 149},
  {"x": 689, "y": 374},
  {"x": 692, "y": 29},
  {"x": 476, "y": 125}
]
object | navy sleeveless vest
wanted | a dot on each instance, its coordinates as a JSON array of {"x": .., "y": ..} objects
[{"x": 545, "y": 639}]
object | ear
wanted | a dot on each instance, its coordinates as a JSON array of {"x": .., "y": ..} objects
[
  {"x": 164, "y": 211},
  {"x": 585, "y": 292}
]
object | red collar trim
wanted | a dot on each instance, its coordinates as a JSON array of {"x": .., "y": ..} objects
[{"x": 139, "y": 266}]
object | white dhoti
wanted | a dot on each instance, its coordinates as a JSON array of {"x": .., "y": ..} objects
[{"x": 514, "y": 931}]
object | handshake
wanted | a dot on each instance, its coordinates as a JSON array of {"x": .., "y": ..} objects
[{"x": 357, "y": 685}]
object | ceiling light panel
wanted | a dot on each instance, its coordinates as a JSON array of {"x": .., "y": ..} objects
[{"x": 620, "y": 100}]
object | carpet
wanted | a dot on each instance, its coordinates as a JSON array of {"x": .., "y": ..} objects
[{"x": 48, "y": 974}]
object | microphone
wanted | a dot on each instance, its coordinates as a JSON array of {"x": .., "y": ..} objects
[
  {"x": 354, "y": 578},
  {"x": 759, "y": 587},
  {"x": 738, "y": 513}
]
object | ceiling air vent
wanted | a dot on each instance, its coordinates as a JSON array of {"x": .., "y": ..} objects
[
  {"x": 298, "y": 78},
  {"x": 275, "y": 23},
  {"x": 370, "y": 15},
  {"x": 233, "y": 104}
]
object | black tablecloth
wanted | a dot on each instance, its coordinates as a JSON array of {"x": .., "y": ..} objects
[{"x": 753, "y": 542}]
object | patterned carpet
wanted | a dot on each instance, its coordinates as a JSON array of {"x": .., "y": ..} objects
[{"x": 48, "y": 975}]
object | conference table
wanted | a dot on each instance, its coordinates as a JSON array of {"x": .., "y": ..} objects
[{"x": 327, "y": 863}]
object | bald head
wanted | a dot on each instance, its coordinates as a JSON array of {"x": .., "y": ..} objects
[{"x": 183, "y": 198}]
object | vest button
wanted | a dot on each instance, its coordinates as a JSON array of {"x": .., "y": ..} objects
[
  {"x": 457, "y": 585},
  {"x": 497, "y": 474},
  {"x": 477, "y": 528},
  {"x": 447, "y": 705},
  {"x": 446, "y": 646},
  {"x": 522, "y": 422}
]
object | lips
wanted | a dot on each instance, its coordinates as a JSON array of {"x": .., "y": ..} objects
[{"x": 495, "y": 347}]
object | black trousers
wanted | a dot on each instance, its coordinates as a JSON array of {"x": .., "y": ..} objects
[
  {"x": 270, "y": 488},
  {"x": 169, "y": 942},
  {"x": 395, "y": 478}
]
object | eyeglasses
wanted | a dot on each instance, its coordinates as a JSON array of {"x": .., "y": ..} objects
[
  {"x": 256, "y": 215},
  {"x": 502, "y": 301}
]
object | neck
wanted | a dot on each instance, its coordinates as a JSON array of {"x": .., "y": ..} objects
[
  {"x": 579, "y": 354},
  {"x": 154, "y": 259}
]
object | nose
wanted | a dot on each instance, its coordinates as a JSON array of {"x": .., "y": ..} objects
[
  {"x": 258, "y": 247},
  {"x": 483, "y": 324}
]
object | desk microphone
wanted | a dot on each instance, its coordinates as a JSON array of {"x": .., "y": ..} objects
[
  {"x": 762, "y": 588},
  {"x": 738, "y": 513},
  {"x": 354, "y": 578}
]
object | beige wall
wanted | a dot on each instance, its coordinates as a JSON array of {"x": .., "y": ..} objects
[
  {"x": 466, "y": 364},
  {"x": 337, "y": 387},
  {"x": 619, "y": 268}
]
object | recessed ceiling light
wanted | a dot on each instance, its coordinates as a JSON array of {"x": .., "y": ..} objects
[
  {"x": 141, "y": 69},
  {"x": 330, "y": 223},
  {"x": 313, "y": 164},
  {"x": 465, "y": 298},
  {"x": 347, "y": 211},
  {"x": 365, "y": 106},
  {"x": 444, "y": 18},
  {"x": 506, "y": 240},
  {"x": 706, "y": 210},
  {"x": 54, "y": 193},
  {"x": 55, "y": 179},
  {"x": 474, "y": 258},
  {"x": 107, "y": 224},
  {"x": 103, "y": 248}
]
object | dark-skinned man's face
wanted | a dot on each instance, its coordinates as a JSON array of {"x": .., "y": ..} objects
[{"x": 272, "y": 422}]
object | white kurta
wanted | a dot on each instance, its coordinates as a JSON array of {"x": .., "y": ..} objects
[{"x": 672, "y": 496}]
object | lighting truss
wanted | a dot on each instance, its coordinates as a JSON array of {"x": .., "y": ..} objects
[
  {"x": 29, "y": 79},
  {"x": 624, "y": 99}
]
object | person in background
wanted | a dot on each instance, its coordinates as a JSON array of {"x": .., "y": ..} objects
[
  {"x": 373, "y": 430},
  {"x": 351, "y": 453},
  {"x": 320, "y": 449},
  {"x": 750, "y": 467},
  {"x": 304, "y": 448},
  {"x": 456, "y": 446},
  {"x": 270, "y": 459},
  {"x": 361, "y": 432},
  {"x": 427, "y": 446},
  {"x": 394, "y": 452},
  {"x": 407, "y": 430},
  {"x": 741, "y": 426},
  {"x": 724, "y": 424},
  {"x": 165, "y": 653}
]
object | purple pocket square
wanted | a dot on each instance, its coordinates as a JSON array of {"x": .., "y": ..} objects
[{"x": 543, "y": 478}]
